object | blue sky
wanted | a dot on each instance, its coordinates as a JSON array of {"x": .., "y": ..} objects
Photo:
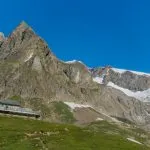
[{"x": 97, "y": 32}]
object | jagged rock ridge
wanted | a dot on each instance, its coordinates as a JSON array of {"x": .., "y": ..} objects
[
  {"x": 132, "y": 83},
  {"x": 31, "y": 71}
]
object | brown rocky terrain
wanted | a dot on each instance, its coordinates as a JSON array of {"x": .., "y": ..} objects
[{"x": 31, "y": 72}]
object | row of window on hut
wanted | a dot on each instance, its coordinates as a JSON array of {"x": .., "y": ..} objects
[{"x": 15, "y": 107}]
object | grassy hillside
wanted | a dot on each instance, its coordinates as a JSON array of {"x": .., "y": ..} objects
[{"x": 23, "y": 134}]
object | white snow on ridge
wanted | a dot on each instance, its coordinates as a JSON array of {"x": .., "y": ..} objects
[
  {"x": 76, "y": 61},
  {"x": 74, "y": 105},
  {"x": 132, "y": 140},
  {"x": 2, "y": 34},
  {"x": 73, "y": 61},
  {"x": 140, "y": 95},
  {"x": 98, "y": 80},
  {"x": 2, "y": 37},
  {"x": 119, "y": 70},
  {"x": 135, "y": 72}
]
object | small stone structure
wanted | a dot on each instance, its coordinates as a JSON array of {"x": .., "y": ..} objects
[{"x": 14, "y": 107}]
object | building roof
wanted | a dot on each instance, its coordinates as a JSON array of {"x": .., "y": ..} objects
[{"x": 10, "y": 102}]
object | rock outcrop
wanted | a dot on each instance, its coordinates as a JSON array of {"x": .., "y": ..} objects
[
  {"x": 31, "y": 71},
  {"x": 132, "y": 80}
]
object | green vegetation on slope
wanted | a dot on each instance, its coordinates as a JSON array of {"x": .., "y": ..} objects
[
  {"x": 123, "y": 130},
  {"x": 15, "y": 97},
  {"x": 64, "y": 112},
  {"x": 23, "y": 134},
  {"x": 55, "y": 111}
]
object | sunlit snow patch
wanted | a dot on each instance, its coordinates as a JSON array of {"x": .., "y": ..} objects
[
  {"x": 140, "y": 95},
  {"x": 2, "y": 34},
  {"x": 132, "y": 140},
  {"x": 74, "y": 105},
  {"x": 74, "y": 61},
  {"x": 135, "y": 72},
  {"x": 71, "y": 62},
  {"x": 98, "y": 80},
  {"x": 99, "y": 119}
]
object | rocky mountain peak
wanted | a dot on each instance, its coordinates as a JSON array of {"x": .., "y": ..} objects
[
  {"x": 31, "y": 71},
  {"x": 23, "y": 26},
  {"x": 22, "y": 44},
  {"x": 21, "y": 30},
  {"x": 2, "y": 37}
]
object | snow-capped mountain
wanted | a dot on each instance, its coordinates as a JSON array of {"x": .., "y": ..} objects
[
  {"x": 30, "y": 71},
  {"x": 132, "y": 83}
]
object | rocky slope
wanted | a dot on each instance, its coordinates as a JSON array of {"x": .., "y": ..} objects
[
  {"x": 132, "y": 83},
  {"x": 30, "y": 71}
]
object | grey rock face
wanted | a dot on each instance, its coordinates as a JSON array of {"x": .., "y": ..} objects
[
  {"x": 127, "y": 79},
  {"x": 2, "y": 37},
  {"x": 78, "y": 73},
  {"x": 30, "y": 70}
]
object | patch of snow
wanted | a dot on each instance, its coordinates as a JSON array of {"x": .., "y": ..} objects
[
  {"x": 71, "y": 62},
  {"x": 77, "y": 61},
  {"x": 119, "y": 70},
  {"x": 2, "y": 34},
  {"x": 89, "y": 68},
  {"x": 74, "y": 61},
  {"x": 29, "y": 57},
  {"x": 98, "y": 80},
  {"x": 140, "y": 95},
  {"x": 99, "y": 119},
  {"x": 135, "y": 72},
  {"x": 132, "y": 140},
  {"x": 2, "y": 37},
  {"x": 74, "y": 105}
]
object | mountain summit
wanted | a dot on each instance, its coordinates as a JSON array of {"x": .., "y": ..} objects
[
  {"x": 132, "y": 83},
  {"x": 33, "y": 74},
  {"x": 2, "y": 37}
]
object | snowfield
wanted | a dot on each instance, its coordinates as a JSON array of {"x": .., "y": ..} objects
[
  {"x": 98, "y": 80},
  {"x": 135, "y": 72},
  {"x": 74, "y": 61},
  {"x": 74, "y": 105},
  {"x": 99, "y": 119},
  {"x": 2, "y": 34},
  {"x": 132, "y": 140},
  {"x": 71, "y": 62},
  {"x": 140, "y": 95}
]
